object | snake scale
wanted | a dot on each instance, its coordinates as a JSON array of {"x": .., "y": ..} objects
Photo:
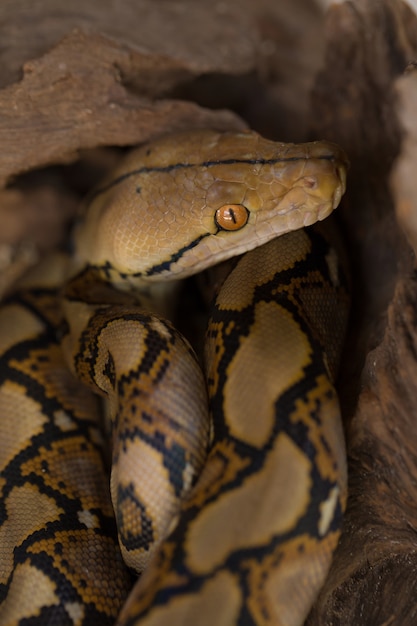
[{"x": 227, "y": 481}]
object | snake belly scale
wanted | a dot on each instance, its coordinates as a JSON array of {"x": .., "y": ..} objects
[{"x": 227, "y": 482}]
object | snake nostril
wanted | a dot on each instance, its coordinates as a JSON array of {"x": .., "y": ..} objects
[{"x": 310, "y": 182}]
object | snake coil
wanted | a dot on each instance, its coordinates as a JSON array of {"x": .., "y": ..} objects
[{"x": 227, "y": 482}]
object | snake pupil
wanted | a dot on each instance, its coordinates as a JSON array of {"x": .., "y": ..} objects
[{"x": 231, "y": 216}]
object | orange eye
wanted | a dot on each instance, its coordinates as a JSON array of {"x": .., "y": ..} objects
[{"x": 231, "y": 216}]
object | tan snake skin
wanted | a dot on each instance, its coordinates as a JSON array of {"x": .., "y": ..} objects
[{"x": 228, "y": 482}]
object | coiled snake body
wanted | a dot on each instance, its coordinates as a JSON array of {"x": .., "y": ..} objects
[{"x": 228, "y": 487}]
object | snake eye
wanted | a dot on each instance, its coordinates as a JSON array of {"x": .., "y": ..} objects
[{"x": 231, "y": 216}]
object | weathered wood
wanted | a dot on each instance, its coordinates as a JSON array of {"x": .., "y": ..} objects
[
  {"x": 75, "y": 98},
  {"x": 369, "y": 45}
]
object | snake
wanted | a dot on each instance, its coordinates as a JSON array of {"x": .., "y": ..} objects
[{"x": 143, "y": 484}]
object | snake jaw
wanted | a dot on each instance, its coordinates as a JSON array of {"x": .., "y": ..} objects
[{"x": 176, "y": 188}]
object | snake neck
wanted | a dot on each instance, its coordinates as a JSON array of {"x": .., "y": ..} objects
[{"x": 97, "y": 287}]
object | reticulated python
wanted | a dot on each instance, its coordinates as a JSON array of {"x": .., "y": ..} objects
[{"x": 232, "y": 504}]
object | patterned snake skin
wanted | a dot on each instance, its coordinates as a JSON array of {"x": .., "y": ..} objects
[{"x": 227, "y": 480}]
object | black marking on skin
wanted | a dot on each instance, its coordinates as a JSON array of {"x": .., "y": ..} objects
[
  {"x": 166, "y": 265},
  {"x": 90, "y": 337},
  {"x": 12, "y": 473},
  {"x": 128, "y": 539},
  {"x": 22, "y": 353},
  {"x": 326, "y": 445},
  {"x": 329, "y": 394},
  {"x": 27, "y": 299},
  {"x": 162, "y": 371},
  {"x": 147, "y": 417},
  {"x": 283, "y": 287},
  {"x": 175, "y": 463},
  {"x": 110, "y": 370},
  {"x": 317, "y": 256},
  {"x": 107, "y": 268},
  {"x": 155, "y": 344},
  {"x": 238, "y": 561},
  {"x": 66, "y": 592},
  {"x": 208, "y": 164},
  {"x": 16, "y": 473},
  {"x": 173, "y": 455}
]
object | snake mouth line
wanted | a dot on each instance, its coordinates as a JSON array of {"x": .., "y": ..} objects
[{"x": 166, "y": 265}]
